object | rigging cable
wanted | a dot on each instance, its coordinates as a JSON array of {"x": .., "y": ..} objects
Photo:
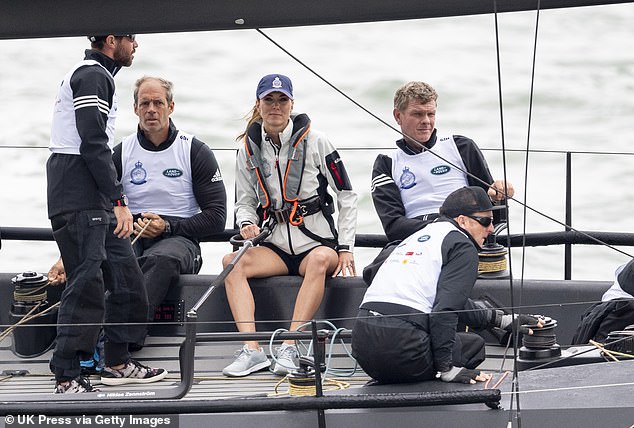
[
  {"x": 527, "y": 155},
  {"x": 515, "y": 379},
  {"x": 515, "y": 385},
  {"x": 329, "y": 351}
]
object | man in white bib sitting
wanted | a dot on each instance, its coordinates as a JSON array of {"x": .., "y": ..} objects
[{"x": 410, "y": 183}]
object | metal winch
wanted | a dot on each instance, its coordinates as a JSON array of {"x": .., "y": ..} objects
[
  {"x": 540, "y": 347},
  {"x": 492, "y": 257},
  {"x": 32, "y": 316}
]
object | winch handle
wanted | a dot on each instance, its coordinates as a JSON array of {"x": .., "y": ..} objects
[
  {"x": 238, "y": 241},
  {"x": 219, "y": 281}
]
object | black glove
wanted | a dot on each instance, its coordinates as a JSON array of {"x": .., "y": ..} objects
[
  {"x": 459, "y": 375},
  {"x": 509, "y": 323}
]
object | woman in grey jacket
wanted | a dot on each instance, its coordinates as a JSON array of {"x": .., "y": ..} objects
[{"x": 283, "y": 172}]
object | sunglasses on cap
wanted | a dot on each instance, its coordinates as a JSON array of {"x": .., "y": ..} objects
[
  {"x": 484, "y": 221},
  {"x": 132, "y": 37}
]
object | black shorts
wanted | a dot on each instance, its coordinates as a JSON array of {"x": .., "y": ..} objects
[{"x": 292, "y": 261}]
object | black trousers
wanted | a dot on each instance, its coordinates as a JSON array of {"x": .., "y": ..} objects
[
  {"x": 603, "y": 318},
  {"x": 393, "y": 350},
  {"x": 162, "y": 261},
  {"x": 104, "y": 283}
]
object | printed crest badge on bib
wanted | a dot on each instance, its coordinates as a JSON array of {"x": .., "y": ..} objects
[
  {"x": 408, "y": 179},
  {"x": 138, "y": 174}
]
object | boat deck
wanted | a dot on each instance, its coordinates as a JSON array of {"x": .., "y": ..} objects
[
  {"x": 209, "y": 383},
  {"x": 567, "y": 395}
]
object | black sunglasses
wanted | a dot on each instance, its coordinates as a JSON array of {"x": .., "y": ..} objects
[
  {"x": 132, "y": 37},
  {"x": 484, "y": 221}
]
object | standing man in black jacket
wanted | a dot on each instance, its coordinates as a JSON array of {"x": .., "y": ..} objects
[
  {"x": 410, "y": 183},
  {"x": 92, "y": 223}
]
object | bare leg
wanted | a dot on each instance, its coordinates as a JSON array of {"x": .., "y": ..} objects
[
  {"x": 257, "y": 262},
  {"x": 320, "y": 262}
]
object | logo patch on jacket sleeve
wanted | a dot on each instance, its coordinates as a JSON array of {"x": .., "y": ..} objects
[
  {"x": 172, "y": 172},
  {"x": 338, "y": 171},
  {"x": 216, "y": 177}
]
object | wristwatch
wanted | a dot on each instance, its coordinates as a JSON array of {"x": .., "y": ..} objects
[
  {"x": 167, "y": 232},
  {"x": 121, "y": 202}
]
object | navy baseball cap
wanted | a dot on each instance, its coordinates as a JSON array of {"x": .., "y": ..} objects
[
  {"x": 467, "y": 200},
  {"x": 274, "y": 83}
]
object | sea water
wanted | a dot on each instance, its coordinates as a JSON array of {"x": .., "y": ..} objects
[{"x": 582, "y": 101}]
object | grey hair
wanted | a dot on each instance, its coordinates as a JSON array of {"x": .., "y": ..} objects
[
  {"x": 420, "y": 91},
  {"x": 165, "y": 84}
]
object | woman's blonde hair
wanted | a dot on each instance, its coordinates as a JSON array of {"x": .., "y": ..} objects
[{"x": 255, "y": 117}]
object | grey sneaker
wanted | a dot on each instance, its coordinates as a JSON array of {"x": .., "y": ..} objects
[
  {"x": 77, "y": 385},
  {"x": 286, "y": 360},
  {"x": 133, "y": 372},
  {"x": 247, "y": 361}
]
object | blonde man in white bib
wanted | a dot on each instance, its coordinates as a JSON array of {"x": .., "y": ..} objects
[{"x": 410, "y": 183}]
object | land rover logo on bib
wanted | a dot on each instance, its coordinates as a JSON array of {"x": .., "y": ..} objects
[
  {"x": 440, "y": 170},
  {"x": 423, "y": 238},
  {"x": 172, "y": 172}
]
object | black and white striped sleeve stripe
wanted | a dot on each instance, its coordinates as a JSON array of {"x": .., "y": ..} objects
[
  {"x": 91, "y": 101},
  {"x": 381, "y": 180}
]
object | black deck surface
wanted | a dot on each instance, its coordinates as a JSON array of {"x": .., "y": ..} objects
[{"x": 589, "y": 395}]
